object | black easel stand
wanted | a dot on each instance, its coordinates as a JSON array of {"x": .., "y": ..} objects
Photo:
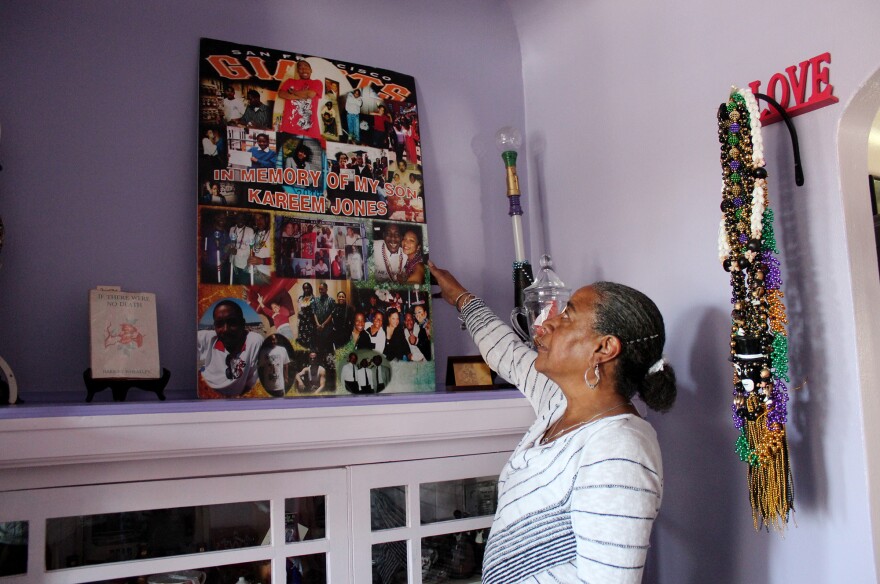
[{"x": 120, "y": 387}]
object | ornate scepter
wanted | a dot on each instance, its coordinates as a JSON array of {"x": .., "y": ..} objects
[
  {"x": 217, "y": 235},
  {"x": 509, "y": 140}
]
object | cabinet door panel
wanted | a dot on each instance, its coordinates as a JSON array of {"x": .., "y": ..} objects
[
  {"x": 422, "y": 521},
  {"x": 253, "y": 526}
]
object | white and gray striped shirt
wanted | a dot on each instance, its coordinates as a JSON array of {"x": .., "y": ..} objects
[{"x": 579, "y": 509}]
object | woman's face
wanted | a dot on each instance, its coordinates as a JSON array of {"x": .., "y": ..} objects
[
  {"x": 566, "y": 342},
  {"x": 410, "y": 243},
  {"x": 378, "y": 320},
  {"x": 307, "y": 289},
  {"x": 359, "y": 322},
  {"x": 394, "y": 319}
]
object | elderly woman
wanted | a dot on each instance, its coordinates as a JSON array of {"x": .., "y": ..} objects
[{"x": 580, "y": 492}]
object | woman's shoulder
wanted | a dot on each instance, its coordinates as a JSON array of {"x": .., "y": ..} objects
[{"x": 624, "y": 436}]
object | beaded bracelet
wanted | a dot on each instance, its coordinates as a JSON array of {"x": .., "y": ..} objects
[{"x": 466, "y": 300}]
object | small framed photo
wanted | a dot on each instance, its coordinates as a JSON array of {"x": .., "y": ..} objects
[{"x": 469, "y": 372}]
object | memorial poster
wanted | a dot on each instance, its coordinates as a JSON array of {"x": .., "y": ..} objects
[{"x": 312, "y": 245}]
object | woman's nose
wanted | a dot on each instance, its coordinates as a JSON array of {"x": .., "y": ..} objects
[{"x": 549, "y": 323}]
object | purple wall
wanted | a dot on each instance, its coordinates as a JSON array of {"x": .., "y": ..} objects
[
  {"x": 630, "y": 165},
  {"x": 99, "y": 123},
  {"x": 98, "y": 149}
]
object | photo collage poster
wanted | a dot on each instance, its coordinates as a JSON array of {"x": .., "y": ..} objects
[{"x": 312, "y": 248}]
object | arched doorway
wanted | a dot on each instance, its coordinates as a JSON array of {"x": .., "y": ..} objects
[{"x": 854, "y": 148}]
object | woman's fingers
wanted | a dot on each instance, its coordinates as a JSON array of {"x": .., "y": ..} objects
[{"x": 449, "y": 286}]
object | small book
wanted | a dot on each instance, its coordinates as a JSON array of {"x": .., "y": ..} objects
[{"x": 124, "y": 334}]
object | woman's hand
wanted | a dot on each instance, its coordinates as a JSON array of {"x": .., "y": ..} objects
[{"x": 450, "y": 288}]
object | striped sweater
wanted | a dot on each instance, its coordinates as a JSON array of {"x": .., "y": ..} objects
[{"x": 579, "y": 509}]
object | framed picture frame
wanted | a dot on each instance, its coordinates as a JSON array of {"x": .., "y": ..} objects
[{"x": 470, "y": 373}]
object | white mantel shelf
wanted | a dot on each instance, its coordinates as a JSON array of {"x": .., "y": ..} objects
[{"x": 53, "y": 446}]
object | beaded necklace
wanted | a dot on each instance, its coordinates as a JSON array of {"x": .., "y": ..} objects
[
  {"x": 410, "y": 266},
  {"x": 546, "y": 439},
  {"x": 260, "y": 240},
  {"x": 393, "y": 276},
  {"x": 238, "y": 236},
  {"x": 758, "y": 341}
]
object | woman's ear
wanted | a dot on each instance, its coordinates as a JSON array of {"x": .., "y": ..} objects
[{"x": 609, "y": 348}]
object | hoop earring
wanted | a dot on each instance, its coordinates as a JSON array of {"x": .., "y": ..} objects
[{"x": 598, "y": 378}]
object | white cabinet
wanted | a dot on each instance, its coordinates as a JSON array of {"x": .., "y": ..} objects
[{"x": 290, "y": 494}]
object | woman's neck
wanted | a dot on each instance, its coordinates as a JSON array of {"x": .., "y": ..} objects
[{"x": 582, "y": 402}]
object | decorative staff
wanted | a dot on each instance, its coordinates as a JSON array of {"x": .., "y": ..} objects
[
  {"x": 217, "y": 235},
  {"x": 509, "y": 140},
  {"x": 250, "y": 265},
  {"x": 233, "y": 239}
]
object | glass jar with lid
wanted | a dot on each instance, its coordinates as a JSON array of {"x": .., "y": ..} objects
[{"x": 544, "y": 298}]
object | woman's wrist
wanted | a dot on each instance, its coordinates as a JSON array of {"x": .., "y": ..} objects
[
  {"x": 458, "y": 298},
  {"x": 463, "y": 300}
]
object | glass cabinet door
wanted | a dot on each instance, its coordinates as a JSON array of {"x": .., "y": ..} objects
[
  {"x": 423, "y": 521},
  {"x": 251, "y": 529}
]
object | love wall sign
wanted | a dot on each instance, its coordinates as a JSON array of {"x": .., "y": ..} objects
[{"x": 800, "y": 89}]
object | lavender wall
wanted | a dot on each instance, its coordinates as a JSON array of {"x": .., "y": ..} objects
[
  {"x": 99, "y": 140},
  {"x": 624, "y": 152},
  {"x": 99, "y": 120}
]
